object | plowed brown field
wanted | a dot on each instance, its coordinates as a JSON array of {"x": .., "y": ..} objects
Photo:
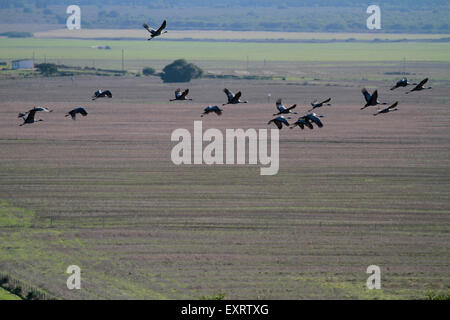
[{"x": 102, "y": 193}]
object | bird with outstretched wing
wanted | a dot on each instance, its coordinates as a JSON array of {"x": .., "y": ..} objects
[
  {"x": 73, "y": 113},
  {"x": 282, "y": 109},
  {"x": 155, "y": 33},
  {"x": 388, "y": 109},
  {"x": 420, "y": 87},
  {"x": 214, "y": 109}
]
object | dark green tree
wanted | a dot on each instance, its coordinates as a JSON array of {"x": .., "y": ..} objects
[
  {"x": 17, "y": 291},
  {"x": 148, "y": 71},
  {"x": 47, "y": 69},
  {"x": 16, "y": 34},
  {"x": 181, "y": 71}
]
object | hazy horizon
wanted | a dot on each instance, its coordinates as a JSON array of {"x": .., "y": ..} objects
[{"x": 404, "y": 16}]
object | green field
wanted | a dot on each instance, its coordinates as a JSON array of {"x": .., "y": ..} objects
[
  {"x": 225, "y": 51},
  {"x": 5, "y": 295}
]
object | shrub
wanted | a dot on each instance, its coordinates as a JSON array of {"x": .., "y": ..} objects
[
  {"x": 4, "y": 280},
  {"x": 47, "y": 68},
  {"x": 180, "y": 71},
  {"x": 32, "y": 295},
  {"x": 442, "y": 296},
  {"x": 16, "y": 34},
  {"x": 17, "y": 291},
  {"x": 216, "y": 296},
  {"x": 148, "y": 71}
]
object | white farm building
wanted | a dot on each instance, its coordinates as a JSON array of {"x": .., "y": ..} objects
[{"x": 22, "y": 64}]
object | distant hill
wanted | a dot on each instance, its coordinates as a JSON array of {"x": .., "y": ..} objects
[
  {"x": 230, "y": 3},
  {"x": 400, "y": 16}
]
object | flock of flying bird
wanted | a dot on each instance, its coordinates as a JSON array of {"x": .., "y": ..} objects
[
  {"x": 29, "y": 117},
  {"x": 372, "y": 99},
  {"x": 310, "y": 118},
  {"x": 306, "y": 120}
]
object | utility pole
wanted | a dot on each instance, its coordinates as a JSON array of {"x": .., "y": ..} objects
[
  {"x": 123, "y": 64},
  {"x": 404, "y": 66}
]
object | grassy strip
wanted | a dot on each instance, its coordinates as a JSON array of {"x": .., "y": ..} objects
[
  {"x": 223, "y": 51},
  {"x": 438, "y": 296},
  {"x": 6, "y": 295},
  {"x": 15, "y": 288}
]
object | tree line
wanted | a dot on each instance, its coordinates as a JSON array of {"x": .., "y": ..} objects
[{"x": 401, "y": 16}]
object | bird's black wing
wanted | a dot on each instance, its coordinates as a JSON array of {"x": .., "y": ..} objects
[
  {"x": 300, "y": 123},
  {"x": 237, "y": 96},
  {"x": 326, "y": 101},
  {"x": 421, "y": 84},
  {"x": 285, "y": 122},
  {"x": 31, "y": 114},
  {"x": 292, "y": 107},
  {"x": 393, "y": 105},
  {"x": 184, "y": 94},
  {"x": 395, "y": 87},
  {"x": 108, "y": 93},
  {"x": 278, "y": 124},
  {"x": 373, "y": 99},
  {"x": 385, "y": 110},
  {"x": 229, "y": 94},
  {"x": 148, "y": 28},
  {"x": 72, "y": 114},
  {"x": 308, "y": 124},
  {"x": 315, "y": 119},
  {"x": 366, "y": 94},
  {"x": 82, "y": 111},
  {"x": 163, "y": 26}
]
